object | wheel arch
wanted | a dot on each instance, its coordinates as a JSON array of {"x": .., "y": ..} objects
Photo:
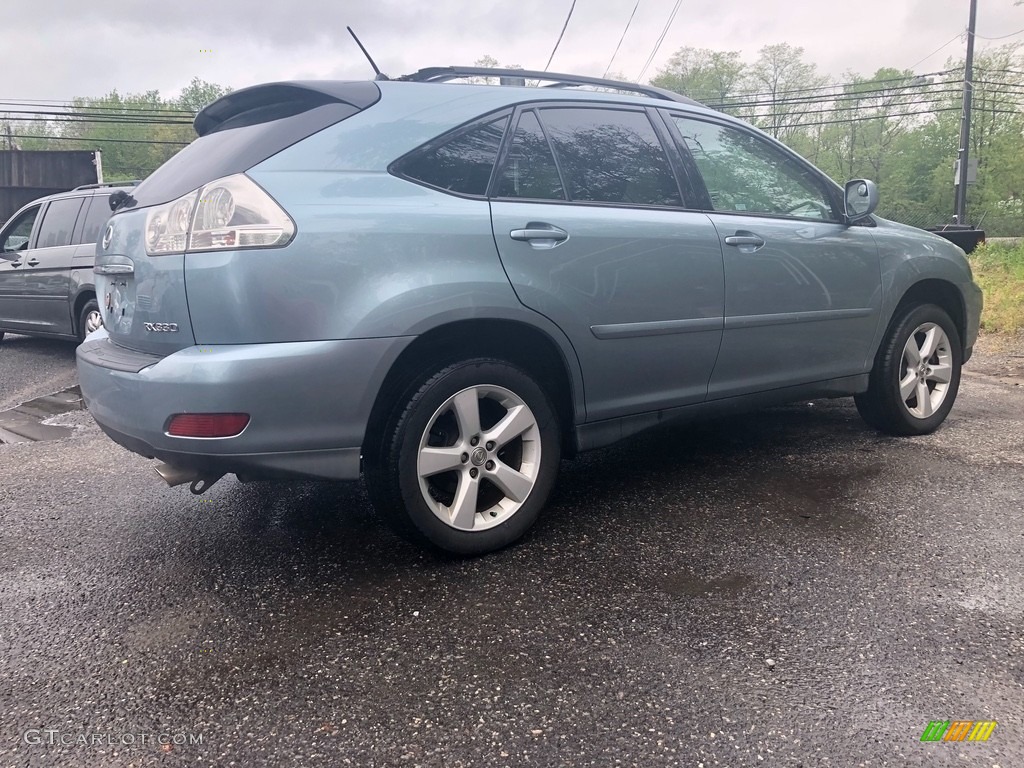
[
  {"x": 520, "y": 343},
  {"x": 81, "y": 299},
  {"x": 941, "y": 293}
]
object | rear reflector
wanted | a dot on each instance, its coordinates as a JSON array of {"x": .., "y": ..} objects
[{"x": 207, "y": 424}]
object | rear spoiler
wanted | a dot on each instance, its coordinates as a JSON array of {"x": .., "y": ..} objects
[{"x": 282, "y": 99}]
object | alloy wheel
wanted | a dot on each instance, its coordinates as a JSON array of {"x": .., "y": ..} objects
[
  {"x": 479, "y": 458},
  {"x": 926, "y": 370}
]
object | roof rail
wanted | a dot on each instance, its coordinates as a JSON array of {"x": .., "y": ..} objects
[
  {"x": 557, "y": 80},
  {"x": 132, "y": 183}
]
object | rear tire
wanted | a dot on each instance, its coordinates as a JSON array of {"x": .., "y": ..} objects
[
  {"x": 469, "y": 462},
  {"x": 916, "y": 375},
  {"x": 89, "y": 319}
]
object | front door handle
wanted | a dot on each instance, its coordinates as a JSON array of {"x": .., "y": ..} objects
[
  {"x": 540, "y": 235},
  {"x": 745, "y": 241},
  {"x": 16, "y": 263},
  {"x": 33, "y": 262}
]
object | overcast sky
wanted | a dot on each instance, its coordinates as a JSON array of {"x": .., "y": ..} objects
[{"x": 58, "y": 49}]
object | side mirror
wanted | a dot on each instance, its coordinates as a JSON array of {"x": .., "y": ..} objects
[{"x": 861, "y": 199}]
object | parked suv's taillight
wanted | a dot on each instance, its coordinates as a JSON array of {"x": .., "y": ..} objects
[{"x": 230, "y": 213}]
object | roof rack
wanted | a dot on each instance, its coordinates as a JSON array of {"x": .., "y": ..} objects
[
  {"x": 132, "y": 183},
  {"x": 557, "y": 80}
]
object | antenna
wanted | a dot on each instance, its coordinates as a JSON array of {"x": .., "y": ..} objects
[{"x": 380, "y": 75}]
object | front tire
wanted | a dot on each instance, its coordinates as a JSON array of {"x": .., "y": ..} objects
[
  {"x": 916, "y": 375},
  {"x": 470, "y": 461}
]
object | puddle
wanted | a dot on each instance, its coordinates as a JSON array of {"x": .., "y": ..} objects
[
  {"x": 23, "y": 423},
  {"x": 824, "y": 500},
  {"x": 688, "y": 585}
]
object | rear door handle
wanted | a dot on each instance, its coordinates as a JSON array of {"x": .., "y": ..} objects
[
  {"x": 33, "y": 262},
  {"x": 540, "y": 235}
]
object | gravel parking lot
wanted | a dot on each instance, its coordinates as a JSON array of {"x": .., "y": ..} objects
[{"x": 786, "y": 588}]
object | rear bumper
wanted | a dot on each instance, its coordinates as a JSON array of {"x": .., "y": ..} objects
[{"x": 309, "y": 402}]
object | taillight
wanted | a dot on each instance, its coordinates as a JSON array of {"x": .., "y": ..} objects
[
  {"x": 207, "y": 424},
  {"x": 230, "y": 213}
]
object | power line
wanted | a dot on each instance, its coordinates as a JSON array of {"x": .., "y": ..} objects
[
  {"x": 865, "y": 119},
  {"x": 661, "y": 39},
  {"x": 621, "y": 39},
  {"x": 559, "y": 41},
  {"x": 85, "y": 118},
  {"x": 920, "y": 96},
  {"x": 1001, "y": 37},
  {"x": 90, "y": 140},
  {"x": 104, "y": 106},
  {"x": 836, "y": 86},
  {"x": 841, "y": 97},
  {"x": 955, "y": 37}
]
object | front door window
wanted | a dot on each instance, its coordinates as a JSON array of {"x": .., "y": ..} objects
[
  {"x": 15, "y": 237},
  {"x": 745, "y": 174}
]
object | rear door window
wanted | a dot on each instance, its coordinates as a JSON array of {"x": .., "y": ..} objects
[
  {"x": 529, "y": 171},
  {"x": 462, "y": 163},
  {"x": 59, "y": 222},
  {"x": 611, "y": 156}
]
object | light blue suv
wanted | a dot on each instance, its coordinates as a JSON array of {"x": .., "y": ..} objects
[{"x": 449, "y": 287}]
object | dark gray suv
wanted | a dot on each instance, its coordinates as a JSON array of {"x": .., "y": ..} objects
[
  {"x": 46, "y": 258},
  {"x": 448, "y": 288}
]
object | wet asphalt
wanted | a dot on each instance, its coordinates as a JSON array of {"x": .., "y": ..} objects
[{"x": 786, "y": 588}]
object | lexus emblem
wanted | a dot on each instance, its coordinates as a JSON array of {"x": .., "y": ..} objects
[{"x": 108, "y": 235}]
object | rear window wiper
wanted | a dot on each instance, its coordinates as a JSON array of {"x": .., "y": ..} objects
[{"x": 120, "y": 199}]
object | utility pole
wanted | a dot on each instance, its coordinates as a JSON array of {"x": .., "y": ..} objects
[{"x": 965, "y": 127}]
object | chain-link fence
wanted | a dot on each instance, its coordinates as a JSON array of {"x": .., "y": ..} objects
[{"x": 999, "y": 223}]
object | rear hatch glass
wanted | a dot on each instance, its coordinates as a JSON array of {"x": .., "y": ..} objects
[{"x": 244, "y": 128}]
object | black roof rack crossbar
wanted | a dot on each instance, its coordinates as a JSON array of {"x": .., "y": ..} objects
[{"x": 558, "y": 80}]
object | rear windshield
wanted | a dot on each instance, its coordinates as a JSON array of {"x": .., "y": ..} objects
[{"x": 236, "y": 146}]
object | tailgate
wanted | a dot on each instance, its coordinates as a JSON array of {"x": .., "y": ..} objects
[{"x": 142, "y": 298}]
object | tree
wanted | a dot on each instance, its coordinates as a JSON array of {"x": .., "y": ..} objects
[
  {"x": 703, "y": 74},
  {"x": 781, "y": 76},
  {"x": 136, "y": 132},
  {"x": 198, "y": 94}
]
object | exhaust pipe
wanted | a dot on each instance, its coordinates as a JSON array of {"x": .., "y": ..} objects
[{"x": 198, "y": 481}]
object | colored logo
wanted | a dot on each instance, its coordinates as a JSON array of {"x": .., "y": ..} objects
[{"x": 958, "y": 730}]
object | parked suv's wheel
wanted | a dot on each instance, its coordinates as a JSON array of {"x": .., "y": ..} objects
[
  {"x": 916, "y": 375},
  {"x": 470, "y": 461},
  {"x": 89, "y": 319}
]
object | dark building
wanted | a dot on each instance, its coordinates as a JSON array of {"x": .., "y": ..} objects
[{"x": 25, "y": 176}]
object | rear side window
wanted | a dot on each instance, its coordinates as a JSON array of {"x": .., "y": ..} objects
[
  {"x": 460, "y": 164},
  {"x": 59, "y": 222},
  {"x": 529, "y": 169},
  {"x": 95, "y": 218},
  {"x": 611, "y": 156}
]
